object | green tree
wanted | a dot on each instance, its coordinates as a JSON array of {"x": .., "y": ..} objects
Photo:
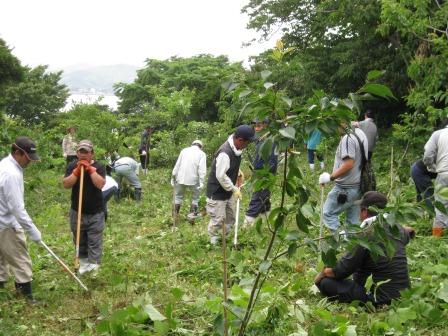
[
  {"x": 336, "y": 44},
  {"x": 35, "y": 99}
]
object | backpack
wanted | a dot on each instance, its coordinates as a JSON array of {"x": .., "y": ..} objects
[{"x": 368, "y": 180}]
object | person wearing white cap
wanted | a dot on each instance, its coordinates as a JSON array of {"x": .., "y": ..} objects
[{"x": 189, "y": 173}]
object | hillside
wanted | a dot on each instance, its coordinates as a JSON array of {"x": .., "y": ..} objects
[{"x": 99, "y": 78}]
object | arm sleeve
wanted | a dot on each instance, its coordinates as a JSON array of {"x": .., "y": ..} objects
[
  {"x": 16, "y": 205},
  {"x": 202, "y": 168},
  {"x": 222, "y": 166},
  {"x": 430, "y": 155},
  {"x": 348, "y": 148},
  {"x": 177, "y": 165},
  {"x": 349, "y": 263}
]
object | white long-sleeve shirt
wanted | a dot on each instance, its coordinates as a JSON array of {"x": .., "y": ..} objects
[
  {"x": 190, "y": 166},
  {"x": 223, "y": 165},
  {"x": 69, "y": 145},
  {"x": 436, "y": 152},
  {"x": 12, "y": 206}
]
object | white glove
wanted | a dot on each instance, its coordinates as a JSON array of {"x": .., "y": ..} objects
[
  {"x": 143, "y": 152},
  {"x": 173, "y": 181},
  {"x": 35, "y": 235},
  {"x": 324, "y": 178}
]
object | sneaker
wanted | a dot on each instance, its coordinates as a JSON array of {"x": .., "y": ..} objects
[
  {"x": 249, "y": 221},
  {"x": 89, "y": 268},
  {"x": 311, "y": 166}
]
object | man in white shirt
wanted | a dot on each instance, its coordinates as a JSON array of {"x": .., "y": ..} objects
[
  {"x": 222, "y": 191},
  {"x": 436, "y": 160},
  {"x": 189, "y": 173},
  {"x": 14, "y": 220}
]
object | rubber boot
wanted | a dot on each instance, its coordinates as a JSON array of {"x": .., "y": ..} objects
[
  {"x": 177, "y": 208},
  {"x": 194, "y": 209},
  {"x": 25, "y": 290},
  {"x": 138, "y": 194},
  {"x": 437, "y": 232}
]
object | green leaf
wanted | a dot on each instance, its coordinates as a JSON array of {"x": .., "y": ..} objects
[
  {"x": 153, "y": 313},
  {"x": 443, "y": 193},
  {"x": 244, "y": 93},
  {"x": 264, "y": 266},
  {"x": 442, "y": 293},
  {"x": 268, "y": 85},
  {"x": 176, "y": 293},
  {"x": 265, "y": 74},
  {"x": 377, "y": 90},
  {"x": 287, "y": 100},
  {"x": 439, "y": 205},
  {"x": 329, "y": 257},
  {"x": 288, "y": 132},
  {"x": 374, "y": 74},
  {"x": 302, "y": 222}
]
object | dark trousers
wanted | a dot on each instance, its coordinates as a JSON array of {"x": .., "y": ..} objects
[
  {"x": 107, "y": 195},
  {"x": 311, "y": 153},
  {"x": 423, "y": 183},
  {"x": 344, "y": 290},
  {"x": 259, "y": 203},
  {"x": 91, "y": 235}
]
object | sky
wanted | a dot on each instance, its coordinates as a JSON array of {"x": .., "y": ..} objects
[{"x": 64, "y": 33}]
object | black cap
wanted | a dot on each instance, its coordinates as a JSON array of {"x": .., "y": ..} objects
[
  {"x": 28, "y": 147},
  {"x": 372, "y": 198},
  {"x": 245, "y": 132}
]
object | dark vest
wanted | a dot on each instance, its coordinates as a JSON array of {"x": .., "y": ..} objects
[{"x": 214, "y": 190}]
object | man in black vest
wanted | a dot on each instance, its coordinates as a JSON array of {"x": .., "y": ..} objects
[{"x": 222, "y": 180}]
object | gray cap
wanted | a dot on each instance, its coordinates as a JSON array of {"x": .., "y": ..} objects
[{"x": 85, "y": 144}]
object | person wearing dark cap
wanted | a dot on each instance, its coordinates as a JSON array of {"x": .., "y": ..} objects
[
  {"x": 14, "y": 219},
  {"x": 260, "y": 202},
  {"x": 390, "y": 273},
  {"x": 69, "y": 145},
  {"x": 222, "y": 190},
  {"x": 369, "y": 128},
  {"x": 145, "y": 140},
  {"x": 92, "y": 213}
]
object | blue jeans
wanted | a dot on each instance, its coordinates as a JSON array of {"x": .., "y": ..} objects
[
  {"x": 423, "y": 183},
  {"x": 311, "y": 153},
  {"x": 259, "y": 203},
  {"x": 332, "y": 209}
]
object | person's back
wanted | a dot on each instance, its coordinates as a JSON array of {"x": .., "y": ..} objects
[
  {"x": 392, "y": 272},
  {"x": 188, "y": 165}
]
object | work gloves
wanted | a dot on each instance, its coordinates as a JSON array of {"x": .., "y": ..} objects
[
  {"x": 237, "y": 193},
  {"x": 87, "y": 167},
  {"x": 324, "y": 178},
  {"x": 35, "y": 235}
]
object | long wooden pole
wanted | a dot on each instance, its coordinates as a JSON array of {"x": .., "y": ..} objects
[
  {"x": 224, "y": 266},
  {"x": 78, "y": 223},
  {"x": 64, "y": 266}
]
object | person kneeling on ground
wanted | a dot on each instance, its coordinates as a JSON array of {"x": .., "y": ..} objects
[
  {"x": 392, "y": 272},
  {"x": 127, "y": 168}
]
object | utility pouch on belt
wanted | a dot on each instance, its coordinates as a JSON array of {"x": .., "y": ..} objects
[{"x": 342, "y": 197}]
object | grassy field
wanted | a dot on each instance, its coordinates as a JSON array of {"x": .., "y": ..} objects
[{"x": 147, "y": 269}]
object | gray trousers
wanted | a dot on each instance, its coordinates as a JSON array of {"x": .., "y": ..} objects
[
  {"x": 180, "y": 191},
  {"x": 441, "y": 220},
  {"x": 219, "y": 212},
  {"x": 128, "y": 172},
  {"x": 91, "y": 236}
]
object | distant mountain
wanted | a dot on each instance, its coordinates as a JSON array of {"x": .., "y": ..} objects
[{"x": 84, "y": 78}]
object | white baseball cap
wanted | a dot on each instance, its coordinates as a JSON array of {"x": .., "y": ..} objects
[{"x": 197, "y": 142}]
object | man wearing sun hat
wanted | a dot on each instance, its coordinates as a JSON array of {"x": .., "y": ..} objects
[
  {"x": 222, "y": 189},
  {"x": 189, "y": 173},
  {"x": 92, "y": 216},
  {"x": 14, "y": 219},
  {"x": 390, "y": 274}
]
